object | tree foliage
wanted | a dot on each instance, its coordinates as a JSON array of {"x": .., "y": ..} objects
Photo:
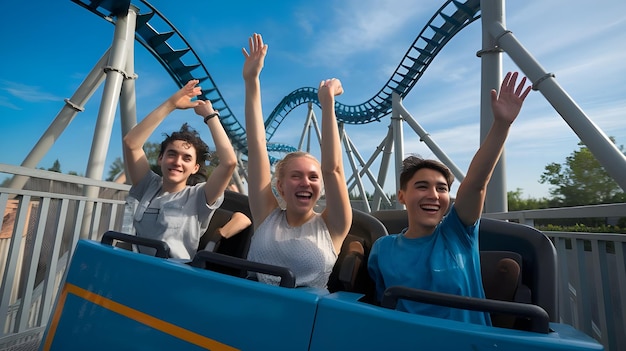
[
  {"x": 581, "y": 180},
  {"x": 116, "y": 168},
  {"x": 517, "y": 203},
  {"x": 56, "y": 166}
]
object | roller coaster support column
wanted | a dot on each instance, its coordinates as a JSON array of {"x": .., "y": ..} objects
[
  {"x": 492, "y": 11},
  {"x": 311, "y": 122},
  {"x": 605, "y": 151},
  {"x": 378, "y": 184},
  {"x": 351, "y": 153},
  {"x": 240, "y": 172},
  {"x": 397, "y": 107},
  {"x": 398, "y": 138},
  {"x": 128, "y": 98},
  {"x": 385, "y": 147},
  {"x": 72, "y": 106},
  {"x": 115, "y": 75}
]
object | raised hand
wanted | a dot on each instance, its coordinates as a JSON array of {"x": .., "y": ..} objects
[
  {"x": 204, "y": 109},
  {"x": 506, "y": 105},
  {"x": 328, "y": 89},
  {"x": 182, "y": 98},
  {"x": 255, "y": 58}
]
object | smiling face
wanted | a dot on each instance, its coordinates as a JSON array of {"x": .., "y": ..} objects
[
  {"x": 299, "y": 183},
  {"x": 177, "y": 163},
  {"x": 426, "y": 197}
]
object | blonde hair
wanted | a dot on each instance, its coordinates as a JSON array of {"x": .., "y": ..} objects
[{"x": 279, "y": 173}]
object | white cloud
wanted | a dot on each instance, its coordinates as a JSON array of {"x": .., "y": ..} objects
[
  {"x": 6, "y": 102},
  {"x": 355, "y": 27},
  {"x": 26, "y": 92}
]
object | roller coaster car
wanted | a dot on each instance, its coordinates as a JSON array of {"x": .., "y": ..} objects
[{"x": 114, "y": 299}]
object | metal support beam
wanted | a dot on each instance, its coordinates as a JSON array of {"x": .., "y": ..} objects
[
  {"x": 607, "y": 153},
  {"x": 115, "y": 76},
  {"x": 72, "y": 106},
  {"x": 355, "y": 170},
  {"x": 398, "y": 140},
  {"x": 491, "y": 77},
  {"x": 425, "y": 137}
]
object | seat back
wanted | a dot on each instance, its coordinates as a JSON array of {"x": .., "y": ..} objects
[
  {"x": 238, "y": 245},
  {"x": 538, "y": 255},
  {"x": 350, "y": 270},
  {"x": 539, "y": 261},
  {"x": 393, "y": 220},
  {"x": 502, "y": 280},
  {"x": 499, "y": 267}
]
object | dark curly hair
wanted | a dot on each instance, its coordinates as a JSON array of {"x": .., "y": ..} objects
[
  {"x": 191, "y": 136},
  {"x": 412, "y": 164}
]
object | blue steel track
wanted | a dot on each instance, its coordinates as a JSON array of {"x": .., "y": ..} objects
[{"x": 449, "y": 19}]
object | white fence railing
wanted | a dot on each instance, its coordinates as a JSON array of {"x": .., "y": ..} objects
[
  {"x": 40, "y": 227},
  {"x": 592, "y": 271}
]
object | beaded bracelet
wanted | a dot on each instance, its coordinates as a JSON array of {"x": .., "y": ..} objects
[{"x": 207, "y": 118}]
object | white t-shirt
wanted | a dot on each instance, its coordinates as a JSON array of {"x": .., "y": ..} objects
[
  {"x": 306, "y": 250},
  {"x": 179, "y": 219}
]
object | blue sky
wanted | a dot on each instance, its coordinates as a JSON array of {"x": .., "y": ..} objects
[{"x": 50, "y": 46}]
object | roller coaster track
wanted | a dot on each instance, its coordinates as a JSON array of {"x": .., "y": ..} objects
[{"x": 449, "y": 19}]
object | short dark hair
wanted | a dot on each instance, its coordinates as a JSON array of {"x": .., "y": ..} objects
[
  {"x": 191, "y": 136},
  {"x": 412, "y": 164}
]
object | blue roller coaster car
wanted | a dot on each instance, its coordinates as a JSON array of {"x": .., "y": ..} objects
[{"x": 115, "y": 299}]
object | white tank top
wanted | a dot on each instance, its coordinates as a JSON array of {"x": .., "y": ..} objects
[{"x": 306, "y": 250}]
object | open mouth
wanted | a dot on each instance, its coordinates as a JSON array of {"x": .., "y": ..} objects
[
  {"x": 430, "y": 208},
  {"x": 304, "y": 195}
]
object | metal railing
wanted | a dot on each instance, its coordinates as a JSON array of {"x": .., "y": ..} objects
[
  {"x": 592, "y": 271},
  {"x": 40, "y": 228}
]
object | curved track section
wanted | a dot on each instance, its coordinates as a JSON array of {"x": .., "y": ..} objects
[
  {"x": 171, "y": 49},
  {"x": 452, "y": 17},
  {"x": 445, "y": 24}
]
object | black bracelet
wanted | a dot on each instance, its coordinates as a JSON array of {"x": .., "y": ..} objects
[{"x": 207, "y": 118}]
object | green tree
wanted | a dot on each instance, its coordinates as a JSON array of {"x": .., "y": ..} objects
[
  {"x": 152, "y": 152},
  {"x": 517, "y": 203},
  {"x": 581, "y": 180},
  {"x": 56, "y": 166},
  {"x": 116, "y": 168}
]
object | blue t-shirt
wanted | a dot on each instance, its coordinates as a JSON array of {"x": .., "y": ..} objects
[{"x": 448, "y": 261}]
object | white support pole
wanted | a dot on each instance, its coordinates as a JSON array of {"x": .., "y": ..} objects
[
  {"x": 124, "y": 32},
  {"x": 307, "y": 123},
  {"x": 355, "y": 170},
  {"x": 72, "y": 106},
  {"x": 491, "y": 76},
  {"x": 384, "y": 164},
  {"x": 306, "y": 131},
  {"x": 365, "y": 170},
  {"x": 425, "y": 138},
  {"x": 398, "y": 137},
  {"x": 600, "y": 145},
  {"x": 241, "y": 173},
  {"x": 128, "y": 98}
]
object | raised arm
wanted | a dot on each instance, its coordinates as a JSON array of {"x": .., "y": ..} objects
[
  {"x": 505, "y": 107},
  {"x": 237, "y": 223},
  {"x": 338, "y": 213},
  {"x": 135, "y": 158},
  {"x": 262, "y": 200},
  {"x": 220, "y": 177}
]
